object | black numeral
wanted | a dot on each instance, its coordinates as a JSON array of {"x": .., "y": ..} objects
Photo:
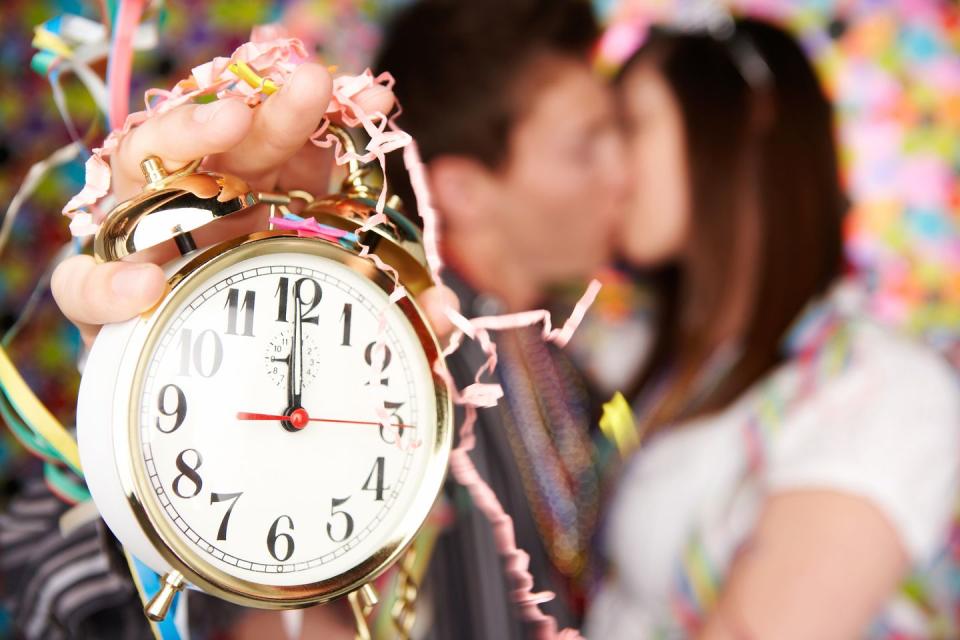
[
  {"x": 189, "y": 472},
  {"x": 206, "y": 360},
  {"x": 346, "y": 316},
  {"x": 221, "y": 497},
  {"x": 283, "y": 290},
  {"x": 347, "y": 518},
  {"x": 394, "y": 409},
  {"x": 234, "y": 305},
  {"x": 380, "y": 353},
  {"x": 306, "y": 305},
  {"x": 378, "y": 471},
  {"x": 178, "y": 411},
  {"x": 273, "y": 536}
]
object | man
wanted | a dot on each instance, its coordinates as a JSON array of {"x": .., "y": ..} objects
[
  {"x": 523, "y": 162},
  {"x": 522, "y": 157}
]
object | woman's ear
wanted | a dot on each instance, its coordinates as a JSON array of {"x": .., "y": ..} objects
[{"x": 460, "y": 187}]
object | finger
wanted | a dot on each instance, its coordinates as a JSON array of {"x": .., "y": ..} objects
[
  {"x": 281, "y": 126},
  {"x": 375, "y": 99},
  {"x": 91, "y": 294},
  {"x": 435, "y": 301},
  {"x": 185, "y": 133},
  {"x": 309, "y": 169}
]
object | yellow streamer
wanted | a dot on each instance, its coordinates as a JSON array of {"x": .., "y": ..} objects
[
  {"x": 243, "y": 71},
  {"x": 43, "y": 39},
  {"x": 35, "y": 414},
  {"x": 141, "y": 591},
  {"x": 703, "y": 581},
  {"x": 618, "y": 424}
]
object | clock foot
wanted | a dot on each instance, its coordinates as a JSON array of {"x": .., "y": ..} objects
[
  {"x": 362, "y": 602},
  {"x": 368, "y": 596},
  {"x": 159, "y": 604},
  {"x": 404, "y": 610}
]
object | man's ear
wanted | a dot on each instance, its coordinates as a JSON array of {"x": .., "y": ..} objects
[{"x": 460, "y": 187}]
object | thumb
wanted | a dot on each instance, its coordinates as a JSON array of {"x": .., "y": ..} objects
[{"x": 91, "y": 294}]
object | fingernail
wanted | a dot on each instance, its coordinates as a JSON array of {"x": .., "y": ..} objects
[
  {"x": 129, "y": 281},
  {"x": 207, "y": 112}
]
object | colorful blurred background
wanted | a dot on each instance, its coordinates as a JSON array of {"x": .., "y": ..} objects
[{"x": 892, "y": 68}]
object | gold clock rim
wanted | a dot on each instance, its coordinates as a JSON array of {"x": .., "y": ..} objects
[{"x": 134, "y": 478}]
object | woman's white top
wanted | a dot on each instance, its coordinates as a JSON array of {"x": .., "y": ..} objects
[{"x": 887, "y": 429}]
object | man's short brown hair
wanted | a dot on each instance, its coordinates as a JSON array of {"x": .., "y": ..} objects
[{"x": 458, "y": 64}]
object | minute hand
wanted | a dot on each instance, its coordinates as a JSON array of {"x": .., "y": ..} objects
[{"x": 295, "y": 379}]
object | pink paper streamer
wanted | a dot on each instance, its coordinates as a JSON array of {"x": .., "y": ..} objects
[
  {"x": 121, "y": 60},
  {"x": 309, "y": 227},
  {"x": 383, "y": 138},
  {"x": 418, "y": 180}
]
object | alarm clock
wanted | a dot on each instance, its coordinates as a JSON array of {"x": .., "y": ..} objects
[{"x": 272, "y": 432}]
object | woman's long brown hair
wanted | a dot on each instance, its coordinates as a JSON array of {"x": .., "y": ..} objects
[{"x": 761, "y": 157}]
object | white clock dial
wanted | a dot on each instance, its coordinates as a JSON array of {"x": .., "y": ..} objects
[{"x": 260, "y": 419}]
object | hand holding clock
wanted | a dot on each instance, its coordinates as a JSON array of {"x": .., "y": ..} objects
[
  {"x": 224, "y": 507},
  {"x": 267, "y": 146}
]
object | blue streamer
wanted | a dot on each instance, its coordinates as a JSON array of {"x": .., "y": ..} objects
[{"x": 150, "y": 582}]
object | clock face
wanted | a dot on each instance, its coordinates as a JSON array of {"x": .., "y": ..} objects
[{"x": 287, "y": 419}]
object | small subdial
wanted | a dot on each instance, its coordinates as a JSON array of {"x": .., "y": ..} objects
[{"x": 278, "y": 351}]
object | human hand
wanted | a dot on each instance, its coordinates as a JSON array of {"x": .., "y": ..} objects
[{"x": 267, "y": 147}]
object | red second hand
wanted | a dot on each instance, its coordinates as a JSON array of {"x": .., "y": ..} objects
[{"x": 299, "y": 419}]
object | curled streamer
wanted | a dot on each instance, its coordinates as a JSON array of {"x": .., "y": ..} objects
[
  {"x": 418, "y": 180},
  {"x": 479, "y": 394},
  {"x": 383, "y": 137}
]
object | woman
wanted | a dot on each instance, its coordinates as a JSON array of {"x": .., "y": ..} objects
[{"x": 798, "y": 463}]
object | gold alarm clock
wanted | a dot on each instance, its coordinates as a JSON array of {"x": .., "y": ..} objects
[{"x": 272, "y": 432}]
